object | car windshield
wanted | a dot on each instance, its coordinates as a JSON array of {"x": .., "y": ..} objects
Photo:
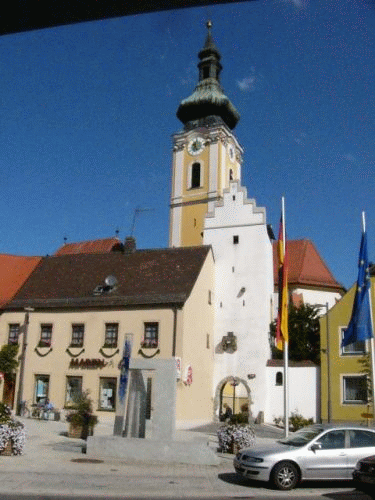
[{"x": 301, "y": 437}]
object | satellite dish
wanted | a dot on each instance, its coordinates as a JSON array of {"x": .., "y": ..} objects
[{"x": 111, "y": 281}]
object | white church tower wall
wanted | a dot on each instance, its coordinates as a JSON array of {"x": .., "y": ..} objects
[{"x": 237, "y": 231}]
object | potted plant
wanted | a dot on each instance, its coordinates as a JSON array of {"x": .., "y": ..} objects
[
  {"x": 81, "y": 417},
  {"x": 236, "y": 433},
  {"x": 12, "y": 433}
]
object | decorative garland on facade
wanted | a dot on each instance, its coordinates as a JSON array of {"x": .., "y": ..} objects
[
  {"x": 40, "y": 354},
  {"x": 101, "y": 350},
  {"x": 74, "y": 355},
  {"x": 148, "y": 357}
]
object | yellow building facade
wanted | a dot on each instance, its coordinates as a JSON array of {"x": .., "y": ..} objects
[
  {"x": 344, "y": 377},
  {"x": 206, "y": 153},
  {"x": 76, "y": 343}
]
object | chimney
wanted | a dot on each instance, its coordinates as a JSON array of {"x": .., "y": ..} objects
[{"x": 129, "y": 245}]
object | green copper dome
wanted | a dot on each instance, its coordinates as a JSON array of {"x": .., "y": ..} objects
[{"x": 208, "y": 105}]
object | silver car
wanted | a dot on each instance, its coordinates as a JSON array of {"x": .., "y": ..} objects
[{"x": 318, "y": 452}]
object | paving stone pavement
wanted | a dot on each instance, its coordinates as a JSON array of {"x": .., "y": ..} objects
[{"x": 53, "y": 464}]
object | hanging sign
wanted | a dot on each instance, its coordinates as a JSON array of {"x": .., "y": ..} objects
[
  {"x": 188, "y": 380},
  {"x": 178, "y": 368}
]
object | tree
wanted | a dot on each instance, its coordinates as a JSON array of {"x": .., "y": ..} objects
[
  {"x": 8, "y": 359},
  {"x": 304, "y": 334}
]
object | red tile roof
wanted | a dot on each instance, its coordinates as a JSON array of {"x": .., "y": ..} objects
[
  {"x": 95, "y": 246},
  {"x": 14, "y": 271},
  {"x": 165, "y": 276},
  {"x": 306, "y": 267}
]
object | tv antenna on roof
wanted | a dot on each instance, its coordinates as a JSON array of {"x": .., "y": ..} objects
[{"x": 137, "y": 211}]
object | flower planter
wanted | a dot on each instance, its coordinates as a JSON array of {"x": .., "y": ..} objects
[
  {"x": 80, "y": 431},
  {"x": 233, "y": 437},
  {"x": 7, "y": 451},
  {"x": 235, "y": 447}
]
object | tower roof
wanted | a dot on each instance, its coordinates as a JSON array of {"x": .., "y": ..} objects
[{"x": 208, "y": 105}]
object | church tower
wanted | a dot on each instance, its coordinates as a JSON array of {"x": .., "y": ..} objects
[{"x": 206, "y": 154}]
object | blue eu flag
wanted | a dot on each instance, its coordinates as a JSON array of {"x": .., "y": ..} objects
[{"x": 360, "y": 325}]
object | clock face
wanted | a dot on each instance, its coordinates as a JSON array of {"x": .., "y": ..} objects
[
  {"x": 231, "y": 152},
  {"x": 196, "y": 146}
]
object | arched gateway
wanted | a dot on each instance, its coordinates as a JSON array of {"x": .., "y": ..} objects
[{"x": 237, "y": 396}]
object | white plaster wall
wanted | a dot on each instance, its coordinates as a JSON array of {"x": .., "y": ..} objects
[
  {"x": 304, "y": 395},
  {"x": 311, "y": 297},
  {"x": 319, "y": 297},
  {"x": 246, "y": 265}
]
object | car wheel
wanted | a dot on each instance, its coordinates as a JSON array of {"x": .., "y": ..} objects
[{"x": 285, "y": 476}]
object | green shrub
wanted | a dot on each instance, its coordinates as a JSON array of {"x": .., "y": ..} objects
[{"x": 297, "y": 421}]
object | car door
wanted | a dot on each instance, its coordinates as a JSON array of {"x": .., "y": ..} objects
[
  {"x": 361, "y": 445},
  {"x": 326, "y": 457}
]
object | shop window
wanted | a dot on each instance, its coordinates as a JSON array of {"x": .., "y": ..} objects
[
  {"x": 111, "y": 335},
  {"x": 78, "y": 332},
  {"x": 45, "y": 335},
  {"x": 14, "y": 332},
  {"x": 73, "y": 390},
  {"x": 41, "y": 388},
  {"x": 279, "y": 378},
  {"x": 150, "y": 336},
  {"x": 107, "y": 393},
  {"x": 355, "y": 389},
  {"x": 356, "y": 349}
]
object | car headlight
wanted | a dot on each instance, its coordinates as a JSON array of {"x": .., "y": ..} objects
[{"x": 248, "y": 458}]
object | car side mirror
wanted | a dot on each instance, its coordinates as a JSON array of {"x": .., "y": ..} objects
[{"x": 315, "y": 446}]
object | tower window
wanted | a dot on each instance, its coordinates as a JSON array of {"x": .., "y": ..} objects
[
  {"x": 236, "y": 239},
  {"x": 206, "y": 72},
  {"x": 196, "y": 175},
  {"x": 279, "y": 378},
  {"x": 231, "y": 175}
]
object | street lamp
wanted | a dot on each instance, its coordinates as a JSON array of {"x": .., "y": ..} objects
[
  {"x": 22, "y": 364},
  {"x": 329, "y": 402}
]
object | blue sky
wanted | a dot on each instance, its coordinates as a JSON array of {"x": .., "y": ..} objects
[{"x": 88, "y": 110}]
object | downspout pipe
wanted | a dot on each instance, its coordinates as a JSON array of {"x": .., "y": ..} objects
[{"x": 174, "y": 339}]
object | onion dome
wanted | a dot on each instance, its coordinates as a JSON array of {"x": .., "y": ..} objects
[{"x": 208, "y": 105}]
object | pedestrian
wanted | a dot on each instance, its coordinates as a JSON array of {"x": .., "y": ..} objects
[{"x": 227, "y": 415}]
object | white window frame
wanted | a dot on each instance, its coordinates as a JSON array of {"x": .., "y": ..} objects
[
  {"x": 346, "y": 401},
  {"x": 350, "y": 350},
  {"x": 114, "y": 326}
]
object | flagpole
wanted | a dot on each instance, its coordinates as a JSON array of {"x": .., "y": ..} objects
[
  {"x": 286, "y": 342},
  {"x": 371, "y": 340}
]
